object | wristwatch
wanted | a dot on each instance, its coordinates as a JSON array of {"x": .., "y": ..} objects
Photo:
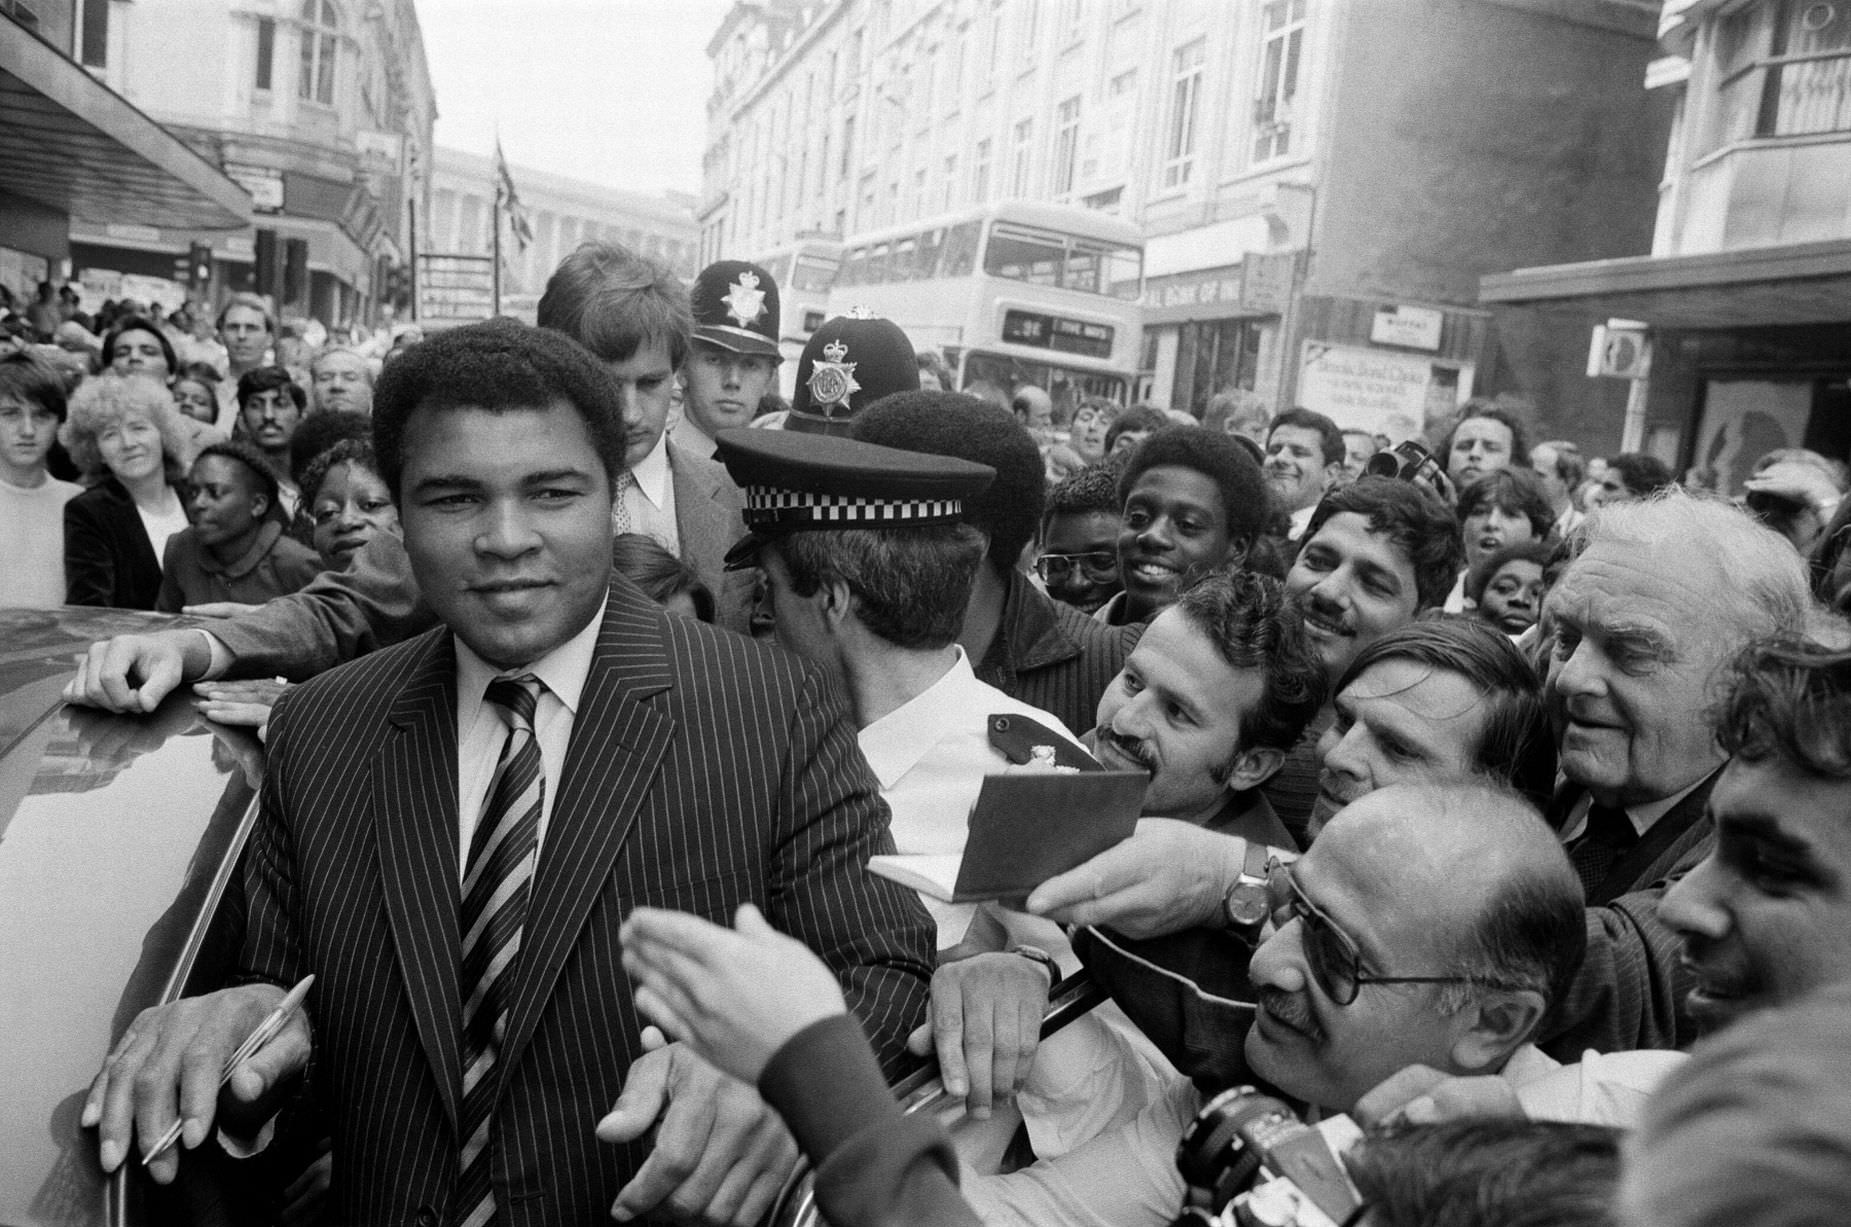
[
  {"x": 1035, "y": 954},
  {"x": 1247, "y": 904}
]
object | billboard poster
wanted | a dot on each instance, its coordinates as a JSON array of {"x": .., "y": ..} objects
[{"x": 1384, "y": 393}]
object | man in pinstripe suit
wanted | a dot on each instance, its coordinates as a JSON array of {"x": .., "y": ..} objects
[{"x": 502, "y": 443}]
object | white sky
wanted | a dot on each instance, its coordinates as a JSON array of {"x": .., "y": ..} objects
[{"x": 610, "y": 91}]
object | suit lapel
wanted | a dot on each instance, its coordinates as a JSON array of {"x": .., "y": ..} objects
[
  {"x": 695, "y": 520},
  {"x": 414, "y": 814},
  {"x": 618, "y": 740}
]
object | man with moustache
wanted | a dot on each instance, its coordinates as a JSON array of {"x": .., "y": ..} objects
[
  {"x": 1193, "y": 502},
  {"x": 1376, "y": 553},
  {"x": 733, "y": 358},
  {"x": 1431, "y": 925},
  {"x": 1305, "y": 455}
]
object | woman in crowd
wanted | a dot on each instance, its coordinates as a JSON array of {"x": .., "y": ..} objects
[
  {"x": 1506, "y": 507},
  {"x": 233, "y": 550},
  {"x": 127, "y": 440},
  {"x": 346, "y": 501},
  {"x": 1507, "y": 588},
  {"x": 137, "y": 347},
  {"x": 195, "y": 393}
]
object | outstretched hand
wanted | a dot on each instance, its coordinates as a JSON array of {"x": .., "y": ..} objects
[
  {"x": 133, "y": 673},
  {"x": 1165, "y": 877}
]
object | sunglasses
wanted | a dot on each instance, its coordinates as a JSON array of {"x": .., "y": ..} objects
[
  {"x": 1096, "y": 565},
  {"x": 1331, "y": 955}
]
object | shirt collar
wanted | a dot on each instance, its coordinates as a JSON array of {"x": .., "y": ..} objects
[
  {"x": 563, "y": 670},
  {"x": 267, "y": 533},
  {"x": 1643, "y": 817},
  {"x": 651, "y": 473},
  {"x": 894, "y": 744}
]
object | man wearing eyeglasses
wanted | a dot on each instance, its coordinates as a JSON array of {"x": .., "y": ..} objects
[
  {"x": 1079, "y": 540},
  {"x": 1430, "y": 924}
]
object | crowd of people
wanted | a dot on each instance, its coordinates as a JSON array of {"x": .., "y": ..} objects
[{"x": 1486, "y": 782}]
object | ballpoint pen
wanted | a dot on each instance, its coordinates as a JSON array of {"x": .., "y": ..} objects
[{"x": 253, "y": 1043}]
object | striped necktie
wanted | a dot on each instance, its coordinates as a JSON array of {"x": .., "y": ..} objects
[{"x": 495, "y": 890}]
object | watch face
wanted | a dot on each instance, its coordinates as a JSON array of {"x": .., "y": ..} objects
[{"x": 1247, "y": 904}]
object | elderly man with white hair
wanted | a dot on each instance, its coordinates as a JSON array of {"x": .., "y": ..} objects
[{"x": 1663, "y": 595}]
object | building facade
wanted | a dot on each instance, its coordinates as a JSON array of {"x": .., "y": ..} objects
[
  {"x": 1746, "y": 294},
  {"x": 562, "y": 213},
  {"x": 1320, "y": 183},
  {"x": 75, "y": 153},
  {"x": 321, "y": 109}
]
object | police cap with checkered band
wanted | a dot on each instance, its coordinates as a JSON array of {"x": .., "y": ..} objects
[{"x": 799, "y": 482}]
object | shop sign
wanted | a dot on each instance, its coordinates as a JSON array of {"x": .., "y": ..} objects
[
  {"x": 134, "y": 234},
  {"x": 1382, "y": 392},
  {"x": 1266, "y": 282},
  {"x": 1409, "y": 327},
  {"x": 263, "y": 183},
  {"x": 1184, "y": 291}
]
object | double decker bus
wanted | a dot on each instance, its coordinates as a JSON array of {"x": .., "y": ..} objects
[
  {"x": 1009, "y": 293},
  {"x": 804, "y": 271}
]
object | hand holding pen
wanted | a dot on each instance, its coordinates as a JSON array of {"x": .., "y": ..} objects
[{"x": 163, "y": 1081}]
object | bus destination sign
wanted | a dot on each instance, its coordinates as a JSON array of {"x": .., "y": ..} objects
[{"x": 1058, "y": 333}]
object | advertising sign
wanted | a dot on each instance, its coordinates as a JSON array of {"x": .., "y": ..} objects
[{"x": 1378, "y": 391}]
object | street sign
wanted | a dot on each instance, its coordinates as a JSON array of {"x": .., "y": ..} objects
[{"x": 455, "y": 289}]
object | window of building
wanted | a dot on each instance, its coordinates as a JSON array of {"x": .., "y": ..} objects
[
  {"x": 1185, "y": 100},
  {"x": 1272, "y": 110},
  {"x": 848, "y": 146},
  {"x": 93, "y": 34},
  {"x": 1066, "y": 143},
  {"x": 980, "y": 172},
  {"x": 1213, "y": 356},
  {"x": 949, "y": 181},
  {"x": 1785, "y": 68},
  {"x": 1023, "y": 156},
  {"x": 266, "y": 51},
  {"x": 321, "y": 23}
]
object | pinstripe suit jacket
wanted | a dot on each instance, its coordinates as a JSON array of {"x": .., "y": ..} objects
[{"x": 704, "y": 770}]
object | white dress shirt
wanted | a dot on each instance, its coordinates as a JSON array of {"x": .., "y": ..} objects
[
  {"x": 650, "y": 499},
  {"x": 481, "y": 732}
]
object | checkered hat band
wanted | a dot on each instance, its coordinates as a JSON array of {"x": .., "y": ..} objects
[{"x": 770, "y": 505}]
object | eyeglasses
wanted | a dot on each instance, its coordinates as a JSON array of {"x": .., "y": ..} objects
[
  {"x": 1096, "y": 564},
  {"x": 1332, "y": 956}
]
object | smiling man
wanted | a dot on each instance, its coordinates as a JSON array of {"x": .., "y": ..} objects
[
  {"x": 1304, "y": 458},
  {"x": 453, "y": 829},
  {"x": 1193, "y": 502}
]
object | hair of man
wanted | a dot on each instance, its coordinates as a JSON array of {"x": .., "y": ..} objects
[
  {"x": 256, "y": 302},
  {"x": 1514, "y": 491},
  {"x": 1531, "y": 934},
  {"x": 1512, "y": 411},
  {"x": 1135, "y": 420},
  {"x": 1330, "y": 435},
  {"x": 320, "y": 431},
  {"x": 499, "y": 366},
  {"x": 1789, "y": 697},
  {"x": 1083, "y": 492},
  {"x": 1517, "y": 746},
  {"x": 263, "y": 477},
  {"x": 136, "y": 323},
  {"x": 910, "y": 585},
  {"x": 953, "y": 424},
  {"x": 1413, "y": 519},
  {"x": 1257, "y": 628},
  {"x": 1488, "y": 1172},
  {"x": 270, "y": 379},
  {"x": 1641, "y": 474},
  {"x": 102, "y": 400},
  {"x": 643, "y": 561},
  {"x": 1756, "y": 580},
  {"x": 614, "y": 301},
  {"x": 1754, "y": 1129},
  {"x": 338, "y": 350},
  {"x": 31, "y": 380},
  {"x": 1245, "y": 500},
  {"x": 1570, "y": 465}
]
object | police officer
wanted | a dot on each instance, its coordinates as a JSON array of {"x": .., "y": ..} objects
[
  {"x": 733, "y": 359},
  {"x": 850, "y": 362}
]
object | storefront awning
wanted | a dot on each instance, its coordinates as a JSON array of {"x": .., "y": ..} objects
[
  {"x": 69, "y": 143},
  {"x": 1799, "y": 283}
]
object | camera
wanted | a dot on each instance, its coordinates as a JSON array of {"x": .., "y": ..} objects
[
  {"x": 1404, "y": 461},
  {"x": 1250, "y": 1162}
]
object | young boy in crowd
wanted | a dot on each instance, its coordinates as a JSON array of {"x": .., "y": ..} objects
[
  {"x": 31, "y": 500},
  {"x": 234, "y": 550}
]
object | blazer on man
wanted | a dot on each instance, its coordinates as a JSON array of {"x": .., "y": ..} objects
[
  {"x": 709, "y": 520},
  {"x": 704, "y": 771}
]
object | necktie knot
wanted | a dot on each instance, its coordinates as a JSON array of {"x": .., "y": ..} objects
[{"x": 517, "y": 697}]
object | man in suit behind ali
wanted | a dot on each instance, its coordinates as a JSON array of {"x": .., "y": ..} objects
[{"x": 453, "y": 829}]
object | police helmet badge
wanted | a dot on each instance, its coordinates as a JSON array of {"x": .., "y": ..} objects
[
  {"x": 745, "y": 302},
  {"x": 832, "y": 380}
]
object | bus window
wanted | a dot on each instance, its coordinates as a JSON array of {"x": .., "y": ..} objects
[
  {"x": 930, "y": 244},
  {"x": 1065, "y": 387},
  {"x": 814, "y": 272},
  {"x": 900, "y": 267},
  {"x": 1024, "y": 255},
  {"x": 1082, "y": 272},
  {"x": 877, "y": 264},
  {"x": 960, "y": 254},
  {"x": 855, "y": 267}
]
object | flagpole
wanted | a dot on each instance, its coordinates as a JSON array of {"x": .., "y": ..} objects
[{"x": 495, "y": 301}]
